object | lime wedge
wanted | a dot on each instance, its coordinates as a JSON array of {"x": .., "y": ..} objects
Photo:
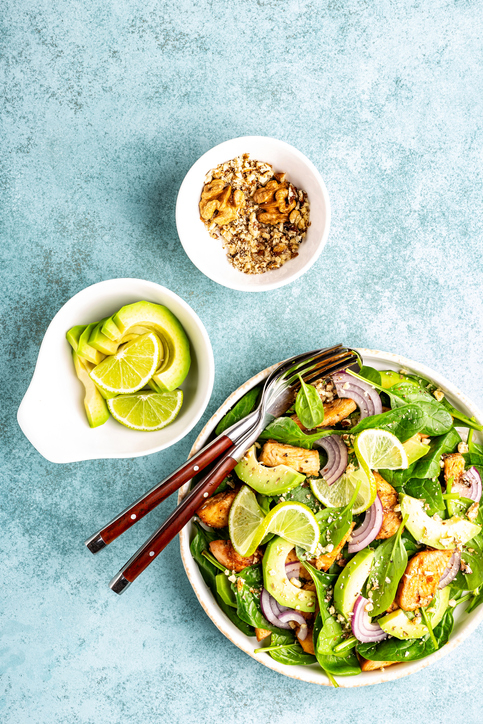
[
  {"x": 380, "y": 449},
  {"x": 146, "y": 411},
  {"x": 340, "y": 493},
  {"x": 244, "y": 522},
  {"x": 131, "y": 367}
]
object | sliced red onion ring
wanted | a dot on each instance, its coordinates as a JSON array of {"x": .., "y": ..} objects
[
  {"x": 369, "y": 528},
  {"x": 287, "y": 616},
  {"x": 337, "y": 458},
  {"x": 292, "y": 569},
  {"x": 469, "y": 486},
  {"x": 362, "y": 626},
  {"x": 363, "y": 394},
  {"x": 452, "y": 569},
  {"x": 271, "y": 611}
]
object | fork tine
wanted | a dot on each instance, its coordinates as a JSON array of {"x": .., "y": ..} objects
[
  {"x": 343, "y": 363},
  {"x": 319, "y": 365},
  {"x": 296, "y": 365}
]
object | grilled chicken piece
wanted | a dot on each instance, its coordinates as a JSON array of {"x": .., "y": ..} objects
[
  {"x": 301, "y": 460},
  {"x": 226, "y": 555},
  {"x": 334, "y": 412},
  {"x": 389, "y": 499},
  {"x": 454, "y": 467},
  {"x": 262, "y": 633},
  {"x": 214, "y": 511},
  {"x": 323, "y": 563},
  {"x": 420, "y": 581},
  {"x": 368, "y": 665}
]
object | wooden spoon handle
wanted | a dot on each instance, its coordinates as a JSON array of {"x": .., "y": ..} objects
[
  {"x": 156, "y": 495},
  {"x": 171, "y": 527}
]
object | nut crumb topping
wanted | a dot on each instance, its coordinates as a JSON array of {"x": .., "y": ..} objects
[{"x": 260, "y": 217}]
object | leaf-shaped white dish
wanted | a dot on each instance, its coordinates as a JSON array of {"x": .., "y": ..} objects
[{"x": 52, "y": 414}]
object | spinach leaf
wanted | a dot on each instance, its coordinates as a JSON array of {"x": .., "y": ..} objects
[
  {"x": 403, "y": 422},
  {"x": 371, "y": 374},
  {"x": 308, "y": 406},
  {"x": 302, "y": 494},
  {"x": 328, "y": 631},
  {"x": 405, "y": 392},
  {"x": 393, "y": 649},
  {"x": 475, "y": 602},
  {"x": 293, "y": 653},
  {"x": 472, "y": 555},
  {"x": 247, "y": 592},
  {"x": 467, "y": 421},
  {"x": 429, "y": 490},
  {"x": 388, "y": 566},
  {"x": 225, "y": 591},
  {"x": 209, "y": 572},
  {"x": 334, "y": 524},
  {"x": 242, "y": 408},
  {"x": 437, "y": 419},
  {"x": 285, "y": 430}
]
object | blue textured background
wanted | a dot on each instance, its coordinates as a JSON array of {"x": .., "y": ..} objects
[{"x": 107, "y": 105}]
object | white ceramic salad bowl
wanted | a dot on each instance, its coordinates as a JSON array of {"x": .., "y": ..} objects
[
  {"x": 464, "y": 624},
  {"x": 52, "y": 415},
  {"x": 208, "y": 253}
]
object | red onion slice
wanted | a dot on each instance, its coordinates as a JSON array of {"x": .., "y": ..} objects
[
  {"x": 469, "y": 486},
  {"x": 363, "y": 394},
  {"x": 292, "y": 569},
  {"x": 369, "y": 528},
  {"x": 362, "y": 626},
  {"x": 297, "y": 617},
  {"x": 337, "y": 458},
  {"x": 452, "y": 569},
  {"x": 268, "y": 609}
]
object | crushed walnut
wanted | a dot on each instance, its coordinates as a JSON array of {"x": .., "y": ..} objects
[{"x": 260, "y": 217}]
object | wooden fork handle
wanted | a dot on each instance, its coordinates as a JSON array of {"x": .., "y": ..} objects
[
  {"x": 160, "y": 492},
  {"x": 172, "y": 526}
]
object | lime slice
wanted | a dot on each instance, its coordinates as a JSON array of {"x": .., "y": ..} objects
[
  {"x": 380, "y": 449},
  {"x": 244, "y": 522},
  {"x": 146, "y": 411},
  {"x": 295, "y": 523},
  {"x": 131, "y": 367},
  {"x": 340, "y": 493}
]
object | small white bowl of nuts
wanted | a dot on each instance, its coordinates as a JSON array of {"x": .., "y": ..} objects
[{"x": 253, "y": 214}]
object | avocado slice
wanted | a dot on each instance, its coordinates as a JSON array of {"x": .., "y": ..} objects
[
  {"x": 74, "y": 334},
  {"x": 399, "y": 625},
  {"x": 177, "y": 358},
  {"x": 434, "y": 532},
  {"x": 85, "y": 350},
  {"x": 110, "y": 330},
  {"x": 95, "y": 405},
  {"x": 351, "y": 580},
  {"x": 389, "y": 378},
  {"x": 415, "y": 449},
  {"x": 103, "y": 344},
  {"x": 275, "y": 578},
  {"x": 265, "y": 480}
]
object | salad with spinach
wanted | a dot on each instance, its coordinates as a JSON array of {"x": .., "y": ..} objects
[{"x": 351, "y": 530}]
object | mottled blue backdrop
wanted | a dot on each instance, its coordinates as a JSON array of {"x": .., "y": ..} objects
[{"x": 106, "y": 106}]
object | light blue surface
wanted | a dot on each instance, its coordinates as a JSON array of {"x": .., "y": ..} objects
[{"x": 107, "y": 105}]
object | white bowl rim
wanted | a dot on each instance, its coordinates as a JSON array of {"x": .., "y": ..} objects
[
  {"x": 79, "y": 297},
  {"x": 202, "y": 163},
  {"x": 310, "y": 674}
]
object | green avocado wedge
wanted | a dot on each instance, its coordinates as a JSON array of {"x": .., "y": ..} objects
[
  {"x": 265, "y": 480},
  {"x": 434, "y": 532},
  {"x": 74, "y": 334},
  {"x": 177, "y": 357},
  {"x": 276, "y": 581},
  {"x": 85, "y": 350},
  {"x": 95, "y": 405},
  {"x": 399, "y": 625},
  {"x": 351, "y": 580}
]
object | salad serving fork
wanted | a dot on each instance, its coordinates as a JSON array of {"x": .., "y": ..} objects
[{"x": 227, "y": 449}]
